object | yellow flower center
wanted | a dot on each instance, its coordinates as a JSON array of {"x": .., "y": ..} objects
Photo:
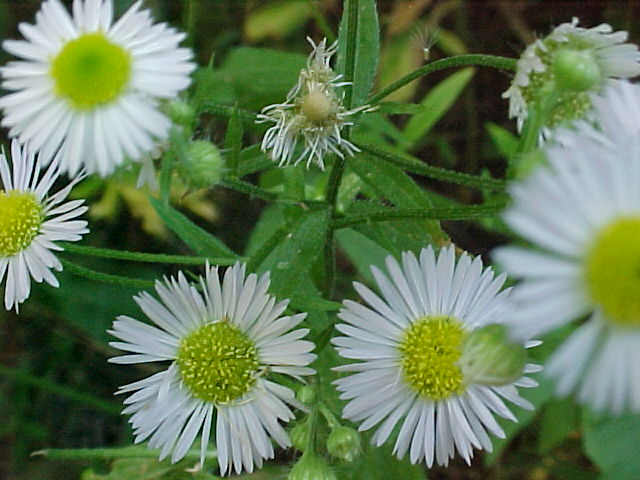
[
  {"x": 612, "y": 271},
  {"x": 91, "y": 70},
  {"x": 431, "y": 348},
  {"x": 218, "y": 362},
  {"x": 20, "y": 220}
]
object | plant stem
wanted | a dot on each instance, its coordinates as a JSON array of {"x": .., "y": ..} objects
[
  {"x": 430, "y": 171},
  {"x": 141, "y": 257},
  {"x": 249, "y": 189},
  {"x": 111, "y": 453},
  {"x": 436, "y": 213},
  {"x": 502, "y": 63},
  {"x": 106, "y": 277}
]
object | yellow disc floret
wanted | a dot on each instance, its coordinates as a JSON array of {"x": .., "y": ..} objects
[
  {"x": 91, "y": 70},
  {"x": 218, "y": 362},
  {"x": 431, "y": 348},
  {"x": 612, "y": 271},
  {"x": 317, "y": 107},
  {"x": 20, "y": 220}
]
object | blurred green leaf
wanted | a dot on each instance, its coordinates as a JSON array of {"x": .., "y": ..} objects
[
  {"x": 362, "y": 251},
  {"x": 367, "y": 48},
  {"x": 435, "y": 104},
  {"x": 505, "y": 141},
  {"x": 147, "y": 469},
  {"x": 276, "y": 20},
  {"x": 200, "y": 241},
  {"x": 612, "y": 443},
  {"x": 560, "y": 419}
]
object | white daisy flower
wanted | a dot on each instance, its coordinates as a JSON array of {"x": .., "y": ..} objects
[
  {"x": 89, "y": 86},
  {"x": 31, "y": 220},
  {"x": 606, "y": 50},
  {"x": 314, "y": 111},
  {"x": 582, "y": 213},
  {"x": 431, "y": 350},
  {"x": 222, "y": 344}
]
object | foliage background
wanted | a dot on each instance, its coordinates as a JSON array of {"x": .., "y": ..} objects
[{"x": 56, "y": 388}]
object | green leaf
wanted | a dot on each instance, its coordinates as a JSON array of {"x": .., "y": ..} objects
[
  {"x": 292, "y": 260},
  {"x": 254, "y": 77},
  {"x": 276, "y": 20},
  {"x": 233, "y": 142},
  {"x": 435, "y": 104},
  {"x": 379, "y": 463},
  {"x": 362, "y": 251},
  {"x": 200, "y": 241},
  {"x": 367, "y": 45},
  {"x": 612, "y": 443},
  {"x": 560, "y": 419},
  {"x": 505, "y": 141},
  {"x": 147, "y": 469},
  {"x": 390, "y": 182}
]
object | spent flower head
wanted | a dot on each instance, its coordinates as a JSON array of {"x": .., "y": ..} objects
[
  {"x": 221, "y": 343},
  {"x": 416, "y": 361},
  {"x": 89, "y": 86},
  {"x": 31, "y": 220},
  {"x": 572, "y": 61},
  {"x": 313, "y": 112}
]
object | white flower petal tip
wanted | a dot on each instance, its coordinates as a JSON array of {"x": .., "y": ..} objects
[
  {"x": 612, "y": 56},
  {"x": 313, "y": 113},
  {"x": 32, "y": 219},
  {"x": 89, "y": 87},
  {"x": 222, "y": 342},
  {"x": 420, "y": 361},
  {"x": 581, "y": 213}
]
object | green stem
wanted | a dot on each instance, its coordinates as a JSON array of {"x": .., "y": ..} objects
[
  {"x": 451, "y": 62},
  {"x": 430, "y": 171},
  {"x": 436, "y": 213},
  {"x": 141, "y": 257},
  {"x": 165, "y": 175},
  {"x": 339, "y": 166},
  {"x": 313, "y": 419},
  {"x": 105, "y": 277},
  {"x": 267, "y": 247},
  {"x": 112, "y": 453},
  {"x": 227, "y": 112},
  {"x": 26, "y": 378},
  {"x": 249, "y": 189}
]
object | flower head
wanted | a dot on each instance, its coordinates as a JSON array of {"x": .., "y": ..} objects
[
  {"x": 314, "y": 111},
  {"x": 584, "y": 58},
  {"x": 222, "y": 344},
  {"x": 89, "y": 86},
  {"x": 31, "y": 220},
  {"x": 416, "y": 360},
  {"x": 582, "y": 214}
]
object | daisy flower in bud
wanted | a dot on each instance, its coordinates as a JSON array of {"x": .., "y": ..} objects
[
  {"x": 89, "y": 86},
  {"x": 433, "y": 354},
  {"x": 31, "y": 220},
  {"x": 313, "y": 111},
  {"x": 221, "y": 343},
  {"x": 572, "y": 61},
  {"x": 582, "y": 215}
]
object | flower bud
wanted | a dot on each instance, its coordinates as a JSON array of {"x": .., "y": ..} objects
[
  {"x": 311, "y": 467},
  {"x": 306, "y": 394},
  {"x": 299, "y": 435},
  {"x": 489, "y": 357},
  {"x": 181, "y": 113},
  {"x": 344, "y": 443},
  {"x": 576, "y": 70},
  {"x": 202, "y": 165}
]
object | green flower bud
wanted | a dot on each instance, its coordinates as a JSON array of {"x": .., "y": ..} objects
[
  {"x": 181, "y": 113},
  {"x": 344, "y": 443},
  {"x": 311, "y": 467},
  {"x": 202, "y": 165},
  {"x": 576, "y": 70},
  {"x": 489, "y": 357},
  {"x": 299, "y": 435},
  {"x": 306, "y": 394}
]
